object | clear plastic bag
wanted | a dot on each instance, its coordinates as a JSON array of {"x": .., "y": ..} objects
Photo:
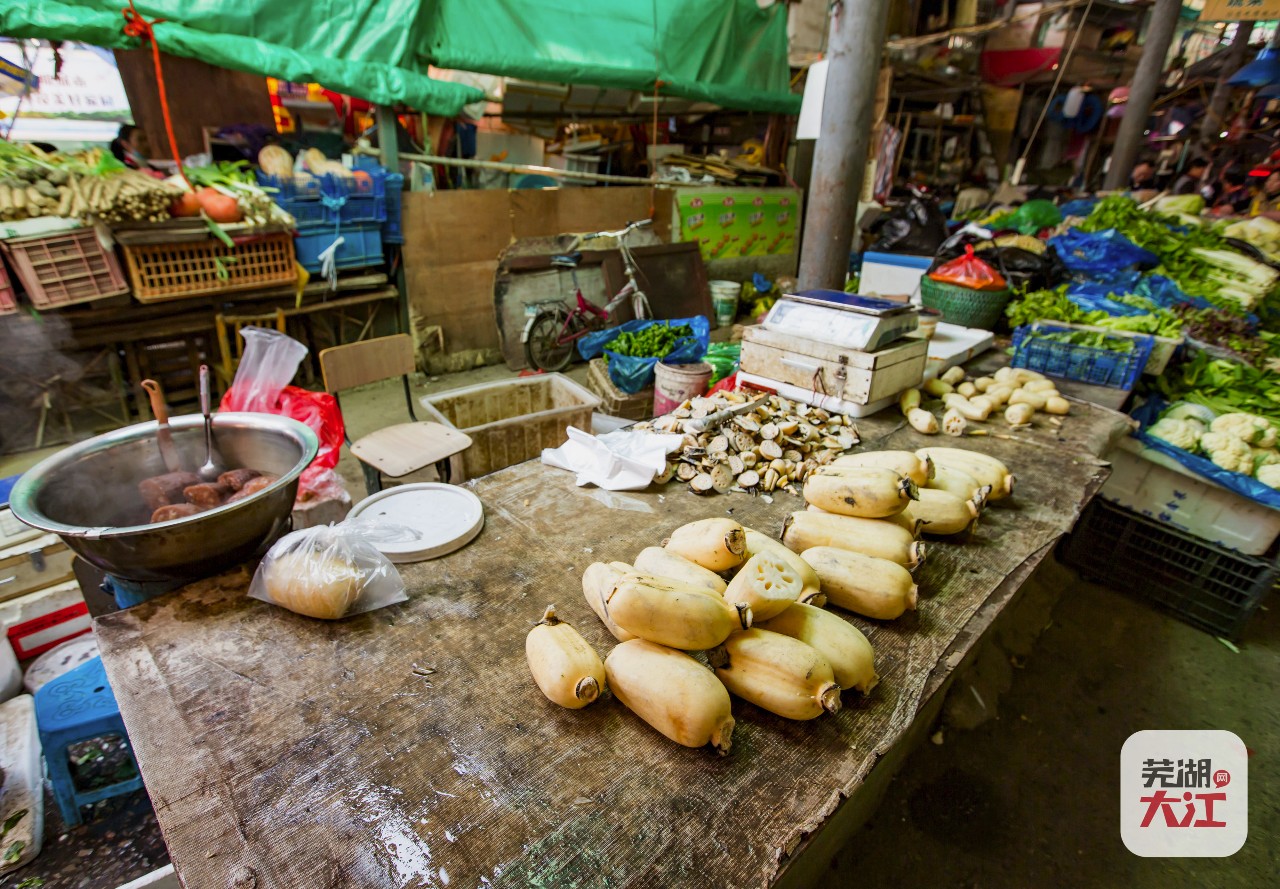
[
  {"x": 332, "y": 571},
  {"x": 269, "y": 363}
]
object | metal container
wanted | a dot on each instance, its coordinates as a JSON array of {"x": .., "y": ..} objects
[{"x": 88, "y": 495}]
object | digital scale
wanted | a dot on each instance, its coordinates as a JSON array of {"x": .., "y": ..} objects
[{"x": 848, "y": 320}]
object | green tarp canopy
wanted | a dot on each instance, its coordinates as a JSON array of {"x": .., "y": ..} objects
[{"x": 729, "y": 52}]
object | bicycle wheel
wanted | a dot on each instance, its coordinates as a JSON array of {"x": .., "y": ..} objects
[{"x": 543, "y": 349}]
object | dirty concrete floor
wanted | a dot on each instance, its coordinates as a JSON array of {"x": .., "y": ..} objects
[
  {"x": 1026, "y": 799},
  {"x": 1031, "y": 798}
]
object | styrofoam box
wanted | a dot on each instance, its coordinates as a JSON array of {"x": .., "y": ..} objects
[
  {"x": 1151, "y": 484},
  {"x": 892, "y": 274}
]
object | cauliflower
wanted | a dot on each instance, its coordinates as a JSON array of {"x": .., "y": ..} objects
[
  {"x": 1264, "y": 457},
  {"x": 1183, "y": 434},
  {"x": 1269, "y": 475},
  {"x": 1227, "y": 452},
  {"x": 1185, "y": 410},
  {"x": 1248, "y": 428}
]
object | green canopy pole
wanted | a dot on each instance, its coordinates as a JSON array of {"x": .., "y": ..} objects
[
  {"x": 388, "y": 138},
  {"x": 840, "y": 156}
]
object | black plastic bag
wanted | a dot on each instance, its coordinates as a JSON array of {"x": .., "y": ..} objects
[{"x": 916, "y": 227}]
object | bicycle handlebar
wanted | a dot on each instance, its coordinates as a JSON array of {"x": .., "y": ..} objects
[{"x": 630, "y": 227}]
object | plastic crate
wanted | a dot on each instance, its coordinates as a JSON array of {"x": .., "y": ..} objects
[
  {"x": 613, "y": 401},
  {"x": 1208, "y": 586},
  {"x": 8, "y": 299},
  {"x": 392, "y": 230},
  {"x": 1086, "y": 364},
  {"x": 330, "y": 198},
  {"x": 513, "y": 420},
  {"x": 361, "y": 246},
  {"x": 162, "y": 272},
  {"x": 65, "y": 268}
]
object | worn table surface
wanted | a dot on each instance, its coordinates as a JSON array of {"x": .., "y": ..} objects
[{"x": 409, "y": 746}]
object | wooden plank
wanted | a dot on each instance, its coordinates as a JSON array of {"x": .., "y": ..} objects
[
  {"x": 358, "y": 364},
  {"x": 297, "y": 752}
]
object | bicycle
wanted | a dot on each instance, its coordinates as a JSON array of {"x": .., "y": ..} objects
[{"x": 551, "y": 332}]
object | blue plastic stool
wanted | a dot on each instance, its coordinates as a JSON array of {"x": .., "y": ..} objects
[{"x": 75, "y": 707}]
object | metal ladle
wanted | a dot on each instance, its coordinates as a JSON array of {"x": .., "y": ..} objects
[{"x": 210, "y": 470}]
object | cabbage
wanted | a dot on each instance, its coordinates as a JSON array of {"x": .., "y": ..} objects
[{"x": 1191, "y": 204}]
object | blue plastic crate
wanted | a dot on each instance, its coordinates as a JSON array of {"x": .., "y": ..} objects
[
  {"x": 1086, "y": 364},
  {"x": 330, "y": 198},
  {"x": 361, "y": 247},
  {"x": 392, "y": 232}
]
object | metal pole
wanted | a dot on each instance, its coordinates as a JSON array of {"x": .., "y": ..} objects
[
  {"x": 1146, "y": 82},
  {"x": 388, "y": 138},
  {"x": 1215, "y": 115},
  {"x": 530, "y": 168},
  {"x": 854, "y": 43}
]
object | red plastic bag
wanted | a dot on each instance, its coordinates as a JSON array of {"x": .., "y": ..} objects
[
  {"x": 969, "y": 271},
  {"x": 261, "y": 385}
]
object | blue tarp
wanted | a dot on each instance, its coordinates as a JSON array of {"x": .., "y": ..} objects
[
  {"x": 632, "y": 374},
  {"x": 1244, "y": 485}
]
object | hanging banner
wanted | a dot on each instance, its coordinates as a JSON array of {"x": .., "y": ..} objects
[
  {"x": 739, "y": 223},
  {"x": 1240, "y": 11}
]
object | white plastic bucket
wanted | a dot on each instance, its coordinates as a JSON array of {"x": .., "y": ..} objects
[
  {"x": 724, "y": 301},
  {"x": 676, "y": 383}
]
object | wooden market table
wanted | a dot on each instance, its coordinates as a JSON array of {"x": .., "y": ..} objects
[{"x": 410, "y": 747}]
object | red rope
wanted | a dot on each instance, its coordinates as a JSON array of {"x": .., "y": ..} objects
[{"x": 136, "y": 26}]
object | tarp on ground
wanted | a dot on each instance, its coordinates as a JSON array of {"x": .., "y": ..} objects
[{"x": 728, "y": 52}]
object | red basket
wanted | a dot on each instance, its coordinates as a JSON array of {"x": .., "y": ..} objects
[
  {"x": 8, "y": 302},
  {"x": 65, "y": 268}
]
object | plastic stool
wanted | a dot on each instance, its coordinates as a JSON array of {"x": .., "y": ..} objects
[{"x": 75, "y": 707}]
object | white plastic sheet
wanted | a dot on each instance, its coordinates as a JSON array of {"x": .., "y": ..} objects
[{"x": 616, "y": 461}]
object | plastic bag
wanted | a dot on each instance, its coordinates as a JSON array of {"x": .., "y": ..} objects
[
  {"x": 969, "y": 271},
  {"x": 332, "y": 571},
  {"x": 1079, "y": 207},
  {"x": 1025, "y": 269},
  {"x": 723, "y": 358},
  {"x": 1244, "y": 485},
  {"x": 270, "y": 361},
  {"x": 1100, "y": 253},
  {"x": 632, "y": 374},
  {"x": 1030, "y": 218},
  {"x": 917, "y": 227}
]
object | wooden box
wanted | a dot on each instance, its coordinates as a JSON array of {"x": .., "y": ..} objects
[
  {"x": 34, "y": 565},
  {"x": 856, "y": 377}
]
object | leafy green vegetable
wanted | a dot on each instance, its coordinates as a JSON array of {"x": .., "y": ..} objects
[
  {"x": 655, "y": 341},
  {"x": 1223, "y": 386},
  {"x": 11, "y": 822},
  {"x": 14, "y": 852},
  {"x": 1055, "y": 305},
  {"x": 1197, "y": 258}
]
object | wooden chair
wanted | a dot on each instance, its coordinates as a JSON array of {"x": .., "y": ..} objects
[{"x": 394, "y": 451}]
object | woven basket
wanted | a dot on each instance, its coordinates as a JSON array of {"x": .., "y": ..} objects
[{"x": 961, "y": 305}]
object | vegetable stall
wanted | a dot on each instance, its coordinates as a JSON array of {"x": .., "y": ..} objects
[{"x": 411, "y": 742}]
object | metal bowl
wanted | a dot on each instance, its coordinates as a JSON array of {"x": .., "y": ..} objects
[{"x": 88, "y": 496}]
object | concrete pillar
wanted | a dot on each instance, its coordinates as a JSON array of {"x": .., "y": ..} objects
[
  {"x": 1146, "y": 82},
  {"x": 854, "y": 44}
]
